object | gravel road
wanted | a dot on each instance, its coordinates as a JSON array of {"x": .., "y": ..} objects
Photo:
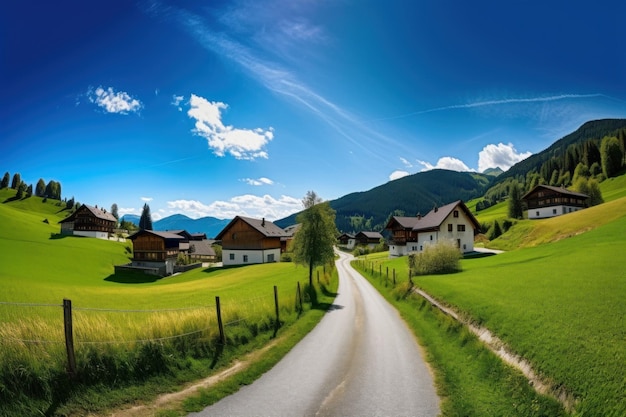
[{"x": 360, "y": 360}]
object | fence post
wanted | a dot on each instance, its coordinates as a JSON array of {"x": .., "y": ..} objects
[
  {"x": 219, "y": 320},
  {"x": 276, "y": 303},
  {"x": 410, "y": 277},
  {"x": 394, "y": 276},
  {"x": 69, "y": 337},
  {"x": 318, "y": 276}
]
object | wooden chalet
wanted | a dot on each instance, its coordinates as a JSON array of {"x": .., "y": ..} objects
[
  {"x": 453, "y": 222},
  {"x": 251, "y": 241},
  {"x": 157, "y": 250},
  {"x": 546, "y": 201},
  {"x": 89, "y": 221},
  {"x": 347, "y": 240},
  {"x": 368, "y": 238}
]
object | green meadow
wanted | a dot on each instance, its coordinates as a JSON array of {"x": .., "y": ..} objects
[
  {"x": 558, "y": 302},
  {"x": 130, "y": 330}
]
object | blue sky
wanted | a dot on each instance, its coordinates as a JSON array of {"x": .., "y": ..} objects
[{"x": 227, "y": 108}]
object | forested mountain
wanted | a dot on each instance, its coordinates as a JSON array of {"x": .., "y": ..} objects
[
  {"x": 410, "y": 195},
  {"x": 209, "y": 225}
]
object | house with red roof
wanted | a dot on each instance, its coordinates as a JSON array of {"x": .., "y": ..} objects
[{"x": 452, "y": 222}]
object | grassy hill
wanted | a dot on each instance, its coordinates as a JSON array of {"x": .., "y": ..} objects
[{"x": 558, "y": 302}]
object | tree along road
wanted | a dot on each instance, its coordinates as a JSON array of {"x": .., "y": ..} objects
[{"x": 360, "y": 360}]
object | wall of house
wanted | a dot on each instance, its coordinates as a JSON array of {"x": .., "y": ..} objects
[
  {"x": 545, "y": 212},
  {"x": 86, "y": 233},
  {"x": 463, "y": 238},
  {"x": 67, "y": 228},
  {"x": 244, "y": 257},
  {"x": 401, "y": 250},
  {"x": 243, "y": 236}
]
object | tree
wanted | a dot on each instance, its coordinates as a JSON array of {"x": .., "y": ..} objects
[
  {"x": 145, "y": 221},
  {"x": 17, "y": 180},
  {"x": 611, "y": 155},
  {"x": 314, "y": 241},
  {"x": 40, "y": 188},
  {"x": 581, "y": 171},
  {"x": 114, "y": 211},
  {"x": 496, "y": 231},
  {"x": 5, "y": 180},
  {"x": 69, "y": 204},
  {"x": 29, "y": 191},
  {"x": 21, "y": 188},
  {"x": 591, "y": 188},
  {"x": 53, "y": 190},
  {"x": 515, "y": 202}
]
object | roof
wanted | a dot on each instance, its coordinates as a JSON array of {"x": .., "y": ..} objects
[
  {"x": 370, "y": 235},
  {"x": 97, "y": 212},
  {"x": 202, "y": 248},
  {"x": 405, "y": 222},
  {"x": 348, "y": 235},
  {"x": 560, "y": 190},
  {"x": 164, "y": 235},
  {"x": 265, "y": 227},
  {"x": 436, "y": 216}
]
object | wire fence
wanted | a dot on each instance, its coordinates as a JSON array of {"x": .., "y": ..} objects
[{"x": 107, "y": 326}]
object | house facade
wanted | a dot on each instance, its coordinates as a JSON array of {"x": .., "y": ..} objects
[
  {"x": 452, "y": 222},
  {"x": 90, "y": 222},
  {"x": 156, "y": 252},
  {"x": 369, "y": 239},
  {"x": 346, "y": 240},
  {"x": 545, "y": 201},
  {"x": 251, "y": 241}
]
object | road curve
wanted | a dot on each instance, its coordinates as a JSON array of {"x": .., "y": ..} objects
[{"x": 360, "y": 360}]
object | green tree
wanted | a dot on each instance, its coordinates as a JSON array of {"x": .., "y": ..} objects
[
  {"x": 21, "y": 188},
  {"x": 581, "y": 171},
  {"x": 314, "y": 241},
  {"x": 29, "y": 191},
  {"x": 53, "y": 190},
  {"x": 5, "y": 180},
  {"x": 595, "y": 194},
  {"x": 496, "y": 231},
  {"x": 515, "y": 202},
  {"x": 554, "y": 178},
  {"x": 145, "y": 221},
  {"x": 611, "y": 155},
  {"x": 114, "y": 211},
  {"x": 17, "y": 180},
  {"x": 40, "y": 188}
]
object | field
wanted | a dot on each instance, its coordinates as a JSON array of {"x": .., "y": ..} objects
[
  {"x": 559, "y": 305},
  {"x": 128, "y": 328}
]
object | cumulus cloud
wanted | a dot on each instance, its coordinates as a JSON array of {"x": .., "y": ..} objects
[
  {"x": 258, "y": 182},
  {"x": 446, "y": 162},
  {"x": 241, "y": 143},
  {"x": 114, "y": 102},
  {"x": 500, "y": 155},
  {"x": 245, "y": 205},
  {"x": 146, "y": 199},
  {"x": 128, "y": 210},
  {"x": 397, "y": 174}
]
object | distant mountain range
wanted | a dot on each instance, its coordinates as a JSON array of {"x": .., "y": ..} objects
[{"x": 209, "y": 225}]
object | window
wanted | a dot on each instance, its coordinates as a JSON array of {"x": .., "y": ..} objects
[
  {"x": 553, "y": 211},
  {"x": 245, "y": 258},
  {"x": 537, "y": 213},
  {"x": 456, "y": 213},
  {"x": 270, "y": 257},
  {"x": 450, "y": 227},
  {"x": 431, "y": 237},
  {"x": 460, "y": 227},
  {"x": 231, "y": 257}
]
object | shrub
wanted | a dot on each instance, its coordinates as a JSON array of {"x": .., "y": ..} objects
[
  {"x": 442, "y": 258},
  {"x": 286, "y": 257}
]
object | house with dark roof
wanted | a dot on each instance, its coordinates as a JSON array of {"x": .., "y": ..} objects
[
  {"x": 90, "y": 222},
  {"x": 156, "y": 252},
  {"x": 452, "y": 222},
  {"x": 250, "y": 241},
  {"x": 546, "y": 201},
  {"x": 370, "y": 239},
  {"x": 346, "y": 240}
]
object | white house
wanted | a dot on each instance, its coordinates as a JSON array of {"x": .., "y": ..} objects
[
  {"x": 452, "y": 222},
  {"x": 546, "y": 201}
]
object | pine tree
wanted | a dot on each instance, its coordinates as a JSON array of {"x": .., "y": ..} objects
[
  {"x": 114, "y": 211},
  {"x": 21, "y": 188},
  {"x": 40, "y": 188},
  {"x": 145, "y": 221},
  {"x": 17, "y": 180},
  {"x": 5, "y": 180},
  {"x": 496, "y": 231},
  {"x": 611, "y": 156},
  {"x": 515, "y": 202},
  {"x": 29, "y": 191}
]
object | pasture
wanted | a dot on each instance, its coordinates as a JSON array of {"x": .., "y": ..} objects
[{"x": 560, "y": 305}]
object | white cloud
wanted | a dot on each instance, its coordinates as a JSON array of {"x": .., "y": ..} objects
[
  {"x": 258, "y": 182},
  {"x": 176, "y": 100},
  {"x": 114, "y": 102},
  {"x": 146, "y": 199},
  {"x": 446, "y": 162},
  {"x": 500, "y": 155},
  {"x": 241, "y": 143},
  {"x": 397, "y": 174},
  {"x": 406, "y": 162},
  {"x": 129, "y": 210},
  {"x": 245, "y": 205}
]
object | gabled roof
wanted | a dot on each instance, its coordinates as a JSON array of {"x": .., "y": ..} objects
[
  {"x": 347, "y": 235},
  {"x": 185, "y": 234},
  {"x": 370, "y": 235},
  {"x": 202, "y": 248},
  {"x": 404, "y": 222},
  {"x": 560, "y": 190},
  {"x": 97, "y": 212},
  {"x": 265, "y": 227},
  {"x": 164, "y": 235},
  {"x": 436, "y": 216}
]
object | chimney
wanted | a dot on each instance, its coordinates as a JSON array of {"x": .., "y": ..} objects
[
  {"x": 263, "y": 222},
  {"x": 419, "y": 216}
]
